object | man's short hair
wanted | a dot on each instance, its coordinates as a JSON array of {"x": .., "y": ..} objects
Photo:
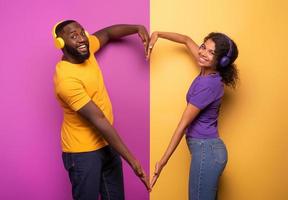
[{"x": 61, "y": 26}]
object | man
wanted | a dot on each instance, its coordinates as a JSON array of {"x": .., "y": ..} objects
[{"x": 88, "y": 138}]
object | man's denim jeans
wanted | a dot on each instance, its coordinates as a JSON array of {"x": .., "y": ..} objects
[{"x": 95, "y": 172}]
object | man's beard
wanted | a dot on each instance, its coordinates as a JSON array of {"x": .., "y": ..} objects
[{"x": 76, "y": 54}]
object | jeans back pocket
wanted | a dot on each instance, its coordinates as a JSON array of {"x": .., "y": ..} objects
[{"x": 219, "y": 152}]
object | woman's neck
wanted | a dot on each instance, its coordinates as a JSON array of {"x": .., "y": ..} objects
[{"x": 207, "y": 71}]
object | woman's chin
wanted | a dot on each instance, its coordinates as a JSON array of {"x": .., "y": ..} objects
[{"x": 201, "y": 64}]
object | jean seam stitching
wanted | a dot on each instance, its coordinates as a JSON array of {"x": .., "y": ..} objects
[
  {"x": 201, "y": 169},
  {"x": 106, "y": 187}
]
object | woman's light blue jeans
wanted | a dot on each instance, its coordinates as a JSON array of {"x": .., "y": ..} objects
[{"x": 209, "y": 158}]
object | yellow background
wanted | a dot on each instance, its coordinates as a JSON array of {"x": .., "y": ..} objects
[{"x": 253, "y": 120}]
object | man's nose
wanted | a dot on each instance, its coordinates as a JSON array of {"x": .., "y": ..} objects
[{"x": 81, "y": 38}]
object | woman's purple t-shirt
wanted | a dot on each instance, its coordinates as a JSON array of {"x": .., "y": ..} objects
[{"x": 206, "y": 94}]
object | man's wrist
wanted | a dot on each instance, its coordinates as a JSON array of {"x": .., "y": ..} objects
[
  {"x": 139, "y": 28},
  {"x": 135, "y": 164}
]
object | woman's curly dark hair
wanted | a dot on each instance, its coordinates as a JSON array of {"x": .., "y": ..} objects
[{"x": 228, "y": 73}]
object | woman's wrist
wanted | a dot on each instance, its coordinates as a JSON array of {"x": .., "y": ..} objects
[{"x": 163, "y": 162}]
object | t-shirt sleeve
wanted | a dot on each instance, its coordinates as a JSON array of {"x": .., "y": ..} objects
[
  {"x": 72, "y": 92},
  {"x": 94, "y": 44},
  {"x": 201, "y": 97}
]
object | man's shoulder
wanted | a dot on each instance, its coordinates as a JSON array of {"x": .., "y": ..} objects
[
  {"x": 60, "y": 68},
  {"x": 62, "y": 71},
  {"x": 94, "y": 43}
]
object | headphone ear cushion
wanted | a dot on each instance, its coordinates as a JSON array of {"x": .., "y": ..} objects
[
  {"x": 59, "y": 43},
  {"x": 225, "y": 60}
]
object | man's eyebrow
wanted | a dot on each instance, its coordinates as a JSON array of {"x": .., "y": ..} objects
[{"x": 82, "y": 29}]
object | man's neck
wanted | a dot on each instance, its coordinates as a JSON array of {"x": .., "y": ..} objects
[{"x": 72, "y": 60}]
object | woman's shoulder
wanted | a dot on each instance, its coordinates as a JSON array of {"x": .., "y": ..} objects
[{"x": 213, "y": 80}]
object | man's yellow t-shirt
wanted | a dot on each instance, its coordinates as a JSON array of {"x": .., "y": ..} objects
[{"x": 75, "y": 85}]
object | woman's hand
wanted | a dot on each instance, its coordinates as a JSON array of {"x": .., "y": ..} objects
[
  {"x": 158, "y": 168},
  {"x": 153, "y": 39}
]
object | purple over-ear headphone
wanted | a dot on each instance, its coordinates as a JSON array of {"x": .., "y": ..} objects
[{"x": 225, "y": 60}]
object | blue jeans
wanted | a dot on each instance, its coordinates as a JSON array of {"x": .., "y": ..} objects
[
  {"x": 209, "y": 158},
  {"x": 95, "y": 172}
]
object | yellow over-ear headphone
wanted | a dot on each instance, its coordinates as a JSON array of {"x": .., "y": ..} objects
[{"x": 58, "y": 41}]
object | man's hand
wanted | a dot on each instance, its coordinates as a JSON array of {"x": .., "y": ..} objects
[
  {"x": 138, "y": 170},
  {"x": 143, "y": 34}
]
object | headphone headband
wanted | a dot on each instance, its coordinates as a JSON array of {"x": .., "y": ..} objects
[
  {"x": 229, "y": 54},
  {"x": 226, "y": 60},
  {"x": 58, "y": 41}
]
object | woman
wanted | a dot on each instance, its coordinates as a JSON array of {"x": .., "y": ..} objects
[{"x": 215, "y": 57}]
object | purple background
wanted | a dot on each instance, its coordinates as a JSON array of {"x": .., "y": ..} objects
[{"x": 31, "y": 166}]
